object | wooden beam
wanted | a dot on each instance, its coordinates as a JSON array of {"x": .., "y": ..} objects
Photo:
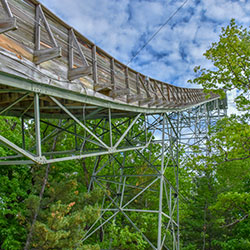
[
  {"x": 7, "y": 24},
  {"x": 157, "y": 102},
  {"x": 143, "y": 85},
  {"x": 40, "y": 16},
  {"x": 112, "y": 72},
  {"x": 102, "y": 87},
  {"x": 75, "y": 73},
  {"x": 126, "y": 81},
  {"x": 46, "y": 54},
  {"x": 94, "y": 64},
  {"x": 135, "y": 98},
  {"x": 79, "y": 72},
  {"x": 119, "y": 92},
  {"x": 146, "y": 101},
  {"x": 137, "y": 84},
  {"x": 43, "y": 55}
]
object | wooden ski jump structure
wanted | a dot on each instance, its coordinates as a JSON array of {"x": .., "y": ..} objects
[{"x": 48, "y": 71}]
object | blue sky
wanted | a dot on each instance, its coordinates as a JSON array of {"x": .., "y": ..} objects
[{"x": 121, "y": 27}]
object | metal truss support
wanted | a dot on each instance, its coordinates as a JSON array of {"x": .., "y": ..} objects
[
  {"x": 37, "y": 125},
  {"x": 159, "y": 242},
  {"x": 30, "y": 155},
  {"x": 137, "y": 158},
  {"x": 124, "y": 186}
]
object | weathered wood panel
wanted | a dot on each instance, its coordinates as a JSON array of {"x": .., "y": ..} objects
[{"x": 109, "y": 77}]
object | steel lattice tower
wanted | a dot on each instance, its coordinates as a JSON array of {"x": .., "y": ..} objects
[{"x": 52, "y": 77}]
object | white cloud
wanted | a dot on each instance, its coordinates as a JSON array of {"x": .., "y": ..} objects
[
  {"x": 231, "y": 95},
  {"x": 122, "y": 27}
]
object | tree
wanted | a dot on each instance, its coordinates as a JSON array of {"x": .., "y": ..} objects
[
  {"x": 223, "y": 175},
  {"x": 230, "y": 57},
  {"x": 14, "y": 189}
]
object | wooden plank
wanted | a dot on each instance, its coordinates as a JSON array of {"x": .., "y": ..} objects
[
  {"x": 40, "y": 15},
  {"x": 7, "y": 24},
  {"x": 112, "y": 72},
  {"x": 143, "y": 85},
  {"x": 42, "y": 55},
  {"x": 127, "y": 82},
  {"x": 102, "y": 87},
  {"x": 6, "y": 8},
  {"x": 135, "y": 98},
  {"x": 94, "y": 65},
  {"x": 14, "y": 47},
  {"x": 119, "y": 92},
  {"x": 46, "y": 54},
  {"x": 25, "y": 15},
  {"x": 145, "y": 101},
  {"x": 79, "y": 72}
]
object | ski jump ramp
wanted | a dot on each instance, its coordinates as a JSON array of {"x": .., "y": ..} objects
[{"x": 49, "y": 71}]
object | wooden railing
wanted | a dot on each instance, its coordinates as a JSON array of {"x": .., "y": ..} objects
[{"x": 42, "y": 47}]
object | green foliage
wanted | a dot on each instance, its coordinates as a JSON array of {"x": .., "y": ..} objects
[
  {"x": 217, "y": 214},
  {"x": 65, "y": 210},
  {"x": 214, "y": 212},
  {"x": 124, "y": 238},
  {"x": 14, "y": 189},
  {"x": 230, "y": 57}
]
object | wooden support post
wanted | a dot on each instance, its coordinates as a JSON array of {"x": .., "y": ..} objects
[
  {"x": 8, "y": 23},
  {"x": 116, "y": 91},
  {"x": 143, "y": 82},
  {"x": 112, "y": 72},
  {"x": 137, "y": 97},
  {"x": 148, "y": 99},
  {"x": 161, "y": 90},
  {"x": 75, "y": 73},
  {"x": 137, "y": 84},
  {"x": 156, "y": 99},
  {"x": 127, "y": 82},
  {"x": 168, "y": 93},
  {"x": 94, "y": 65},
  {"x": 43, "y": 55}
]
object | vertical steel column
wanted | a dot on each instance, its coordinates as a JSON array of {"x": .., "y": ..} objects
[
  {"x": 23, "y": 133},
  {"x": 177, "y": 179},
  {"x": 37, "y": 125},
  {"x": 110, "y": 129},
  {"x": 161, "y": 184}
]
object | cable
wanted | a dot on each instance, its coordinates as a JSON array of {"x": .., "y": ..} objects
[{"x": 153, "y": 36}]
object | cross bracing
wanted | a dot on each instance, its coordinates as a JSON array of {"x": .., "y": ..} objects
[{"x": 56, "y": 80}]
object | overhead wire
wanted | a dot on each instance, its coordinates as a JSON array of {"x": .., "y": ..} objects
[
  {"x": 142, "y": 47},
  {"x": 155, "y": 34}
]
